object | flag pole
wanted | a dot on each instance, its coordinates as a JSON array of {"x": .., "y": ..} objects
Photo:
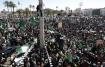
[{"x": 41, "y": 20}]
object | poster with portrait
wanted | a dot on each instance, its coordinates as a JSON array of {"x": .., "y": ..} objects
[{"x": 60, "y": 25}]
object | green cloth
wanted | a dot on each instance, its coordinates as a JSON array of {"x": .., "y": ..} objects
[
  {"x": 3, "y": 25},
  {"x": 21, "y": 23}
]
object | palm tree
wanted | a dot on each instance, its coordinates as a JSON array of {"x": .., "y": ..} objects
[
  {"x": 13, "y": 6},
  {"x": 19, "y": 11},
  {"x": 33, "y": 8},
  {"x": 10, "y": 5},
  {"x": 3, "y": 12},
  {"x": 30, "y": 6},
  {"x": 6, "y": 3},
  {"x": 56, "y": 8},
  {"x": 61, "y": 12},
  {"x": 27, "y": 11}
]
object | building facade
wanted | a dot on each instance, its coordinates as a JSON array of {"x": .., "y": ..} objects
[
  {"x": 87, "y": 12},
  {"x": 102, "y": 11}
]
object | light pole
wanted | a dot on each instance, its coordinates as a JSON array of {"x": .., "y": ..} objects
[
  {"x": 80, "y": 7},
  {"x": 41, "y": 20}
]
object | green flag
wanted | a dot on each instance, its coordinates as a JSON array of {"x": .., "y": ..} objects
[
  {"x": 90, "y": 39},
  {"x": 80, "y": 45},
  {"x": 7, "y": 51},
  {"x": 3, "y": 25},
  {"x": 19, "y": 49},
  {"x": 35, "y": 40},
  {"x": 27, "y": 44},
  {"x": 56, "y": 31},
  {"x": 57, "y": 45},
  {"x": 89, "y": 48},
  {"x": 69, "y": 57},
  {"x": 104, "y": 49},
  {"x": 18, "y": 3},
  {"x": 61, "y": 35},
  {"x": 21, "y": 23},
  {"x": 32, "y": 21},
  {"x": 102, "y": 35},
  {"x": 36, "y": 18},
  {"x": 38, "y": 52},
  {"x": 77, "y": 57},
  {"x": 80, "y": 40},
  {"x": 49, "y": 27}
]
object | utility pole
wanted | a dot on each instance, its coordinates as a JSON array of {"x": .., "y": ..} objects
[{"x": 41, "y": 20}]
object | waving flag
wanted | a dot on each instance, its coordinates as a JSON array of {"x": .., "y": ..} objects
[
  {"x": 21, "y": 23},
  {"x": 3, "y": 25},
  {"x": 19, "y": 49},
  {"x": 69, "y": 57},
  {"x": 102, "y": 35},
  {"x": 22, "y": 49},
  {"x": 89, "y": 48},
  {"x": 80, "y": 45},
  {"x": 49, "y": 27},
  {"x": 32, "y": 21},
  {"x": 35, "y": 40}
]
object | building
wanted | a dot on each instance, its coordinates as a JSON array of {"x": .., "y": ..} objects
[
  {"x": 77, "y": 11},
  {"x": 102, "y": 11},
  {"x": 87, "y": 12},
  {"x": 96, "y": 12}
]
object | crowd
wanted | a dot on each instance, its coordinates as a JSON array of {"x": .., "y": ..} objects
[{"x": 79, "y": 43}]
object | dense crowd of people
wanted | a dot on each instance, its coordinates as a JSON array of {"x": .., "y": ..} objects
[{"x": 78, "y": 43}]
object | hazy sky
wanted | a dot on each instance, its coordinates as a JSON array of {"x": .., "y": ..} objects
[{"x": 72, "y": 4}]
